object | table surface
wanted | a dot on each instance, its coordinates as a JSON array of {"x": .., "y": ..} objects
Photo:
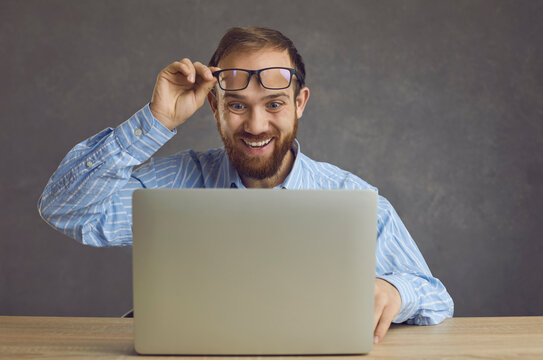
[{"x": 28, "y": 337}]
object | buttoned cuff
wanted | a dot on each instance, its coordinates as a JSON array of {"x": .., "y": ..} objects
[
  {"x": 410, "y": 301},
  {"x": 142, "y": 135}
]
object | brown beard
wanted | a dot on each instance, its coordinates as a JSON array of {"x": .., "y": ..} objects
[{"x": 253, "y": 166}]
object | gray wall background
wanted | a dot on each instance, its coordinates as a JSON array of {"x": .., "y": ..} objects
[{"x": 437, "y": 103}]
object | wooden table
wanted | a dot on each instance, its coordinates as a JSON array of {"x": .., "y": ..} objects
[{"x": 111, "y": 338}]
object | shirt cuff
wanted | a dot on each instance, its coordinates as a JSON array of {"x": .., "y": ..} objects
[
  {"x": 409, "y": 299},
  {"x": 142, "y": 135}
]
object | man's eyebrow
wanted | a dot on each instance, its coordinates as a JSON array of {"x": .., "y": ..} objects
[
  {"x": 277, "y": 95},
  {"x": 233, "y": 95},
  {"x": 267, "y": 97}
]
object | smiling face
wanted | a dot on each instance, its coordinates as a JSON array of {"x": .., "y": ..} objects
[{"x": 258, "y": 125}]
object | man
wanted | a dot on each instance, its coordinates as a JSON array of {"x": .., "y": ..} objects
[{"x": 255, "y": 86}]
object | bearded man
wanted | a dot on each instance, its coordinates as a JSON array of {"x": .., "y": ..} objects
[{"x": 255, "y": 86}]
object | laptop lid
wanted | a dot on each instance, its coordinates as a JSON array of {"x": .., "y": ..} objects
[{"x": 253, "y": 272}]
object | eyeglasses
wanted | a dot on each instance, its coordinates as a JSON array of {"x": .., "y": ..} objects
[{"x": 272, "y": 78}]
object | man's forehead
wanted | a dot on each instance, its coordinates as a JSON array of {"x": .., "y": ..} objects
[
  {"x": 272, "y": 95},
  {"x": 256, "y": 94},
  {"x": 255, "y": 59}
]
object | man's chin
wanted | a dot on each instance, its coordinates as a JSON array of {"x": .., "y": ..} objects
[{"x": 256, "y": 167}]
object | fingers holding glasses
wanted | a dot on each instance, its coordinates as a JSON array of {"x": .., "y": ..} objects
[
  {"x": 204, "y": 81},
  {"x": 203, "y": 71},
  {"x": 193, "y": 74},
  {"x": 180, "y": 73},
  {"x": 180, "y": 90}
]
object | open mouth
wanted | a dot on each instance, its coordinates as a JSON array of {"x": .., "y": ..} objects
[{"x": 257, "y": 144}]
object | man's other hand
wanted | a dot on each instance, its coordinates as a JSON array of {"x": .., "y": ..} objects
[
  {"x": 181, "y": 89},
  {"x": 387, "y": 304}
]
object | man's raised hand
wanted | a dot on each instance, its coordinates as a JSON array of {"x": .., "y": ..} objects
[{"x": 181, "y": 89}]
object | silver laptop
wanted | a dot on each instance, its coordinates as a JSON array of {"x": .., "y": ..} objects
[{"x": 253, "y": 272}]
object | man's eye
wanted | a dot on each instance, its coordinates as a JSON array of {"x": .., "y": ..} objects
[
  {"x": 236, "y": 106},
  {"x": 274, "y": 105}
]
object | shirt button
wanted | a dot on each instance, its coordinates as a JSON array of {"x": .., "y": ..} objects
[
  {"x": 138, "y": 132},
  {"x": 89, "y": 163}
]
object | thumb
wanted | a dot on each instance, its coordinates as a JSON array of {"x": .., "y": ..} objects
[{"x": 204, "y": 88}]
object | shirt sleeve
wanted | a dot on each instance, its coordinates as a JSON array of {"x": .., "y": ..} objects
[
  {"x": 89, "y": 196},
  {"x": 425, "y": 301}
]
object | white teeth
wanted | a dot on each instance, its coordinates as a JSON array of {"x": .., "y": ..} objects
[{"x": 258, "y": 144}]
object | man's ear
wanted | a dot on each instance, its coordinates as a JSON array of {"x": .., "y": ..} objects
[
  {"x": 213, "y": 104},
  {"x": 301, "y": 101}
]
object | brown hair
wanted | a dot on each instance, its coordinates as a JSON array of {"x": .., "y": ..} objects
[{"x": 257, "y": 38}]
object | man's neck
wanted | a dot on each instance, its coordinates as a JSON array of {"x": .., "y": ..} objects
[{"x": 274, "y": 180}]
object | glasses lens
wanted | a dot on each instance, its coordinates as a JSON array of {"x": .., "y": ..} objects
[
  {"x": 275, "y": 78},
  {"x": 233, "y": 79}
]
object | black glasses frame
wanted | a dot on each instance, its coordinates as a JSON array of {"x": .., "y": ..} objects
[{"x": 257, "y": 73}]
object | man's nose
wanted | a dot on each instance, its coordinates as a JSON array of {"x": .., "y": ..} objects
[{"x": 256, "y": 122}]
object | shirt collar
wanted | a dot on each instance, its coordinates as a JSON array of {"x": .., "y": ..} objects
[{"x": 233, "y": 180}]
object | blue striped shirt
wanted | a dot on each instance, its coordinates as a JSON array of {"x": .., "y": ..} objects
[{"x": 89, "y": 197}]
